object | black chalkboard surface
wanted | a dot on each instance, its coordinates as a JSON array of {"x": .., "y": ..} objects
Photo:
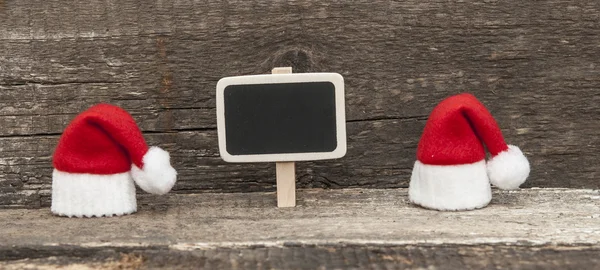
[
  {"x": 283, "y": 117},
  {"x": 280, "y": 118}
]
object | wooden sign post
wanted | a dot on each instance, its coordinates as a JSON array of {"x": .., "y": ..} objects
[
  {"x": 283, "y": 118},
  {"x": 285, "y": 171}
]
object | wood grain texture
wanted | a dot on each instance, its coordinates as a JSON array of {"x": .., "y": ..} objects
[
  {"x": 321, "y": 217},
  {"x": 438, "y": 257},
  {"x": 329, "y": 229},
  {"x": 534, "y": 64}
]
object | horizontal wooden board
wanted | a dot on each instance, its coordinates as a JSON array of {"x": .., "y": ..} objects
[
  {"x": 321, "y": 217},
  {"x": 535, "y": 65},
  {"x": 349, "y": 229},
  {"x": 495, "y": 256}
]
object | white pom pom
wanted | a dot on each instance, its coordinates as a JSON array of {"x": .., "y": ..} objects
[
  {"x": 509, "y": 169},
  {"x": 157, "y": 176}
]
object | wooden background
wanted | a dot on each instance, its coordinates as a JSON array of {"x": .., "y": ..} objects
[{"x": 535, "y": 64}]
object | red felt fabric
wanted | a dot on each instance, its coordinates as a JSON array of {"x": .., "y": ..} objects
[
  {"x": 455, "y": 131},
  {"x": 102, "y": 140}
]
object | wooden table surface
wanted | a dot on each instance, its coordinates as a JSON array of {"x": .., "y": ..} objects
[{"x": 350, "y": 228}]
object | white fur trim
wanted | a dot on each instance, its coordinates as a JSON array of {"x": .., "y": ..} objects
[
  {"x": 89, "y": 195},
  {"x": 450, "y": 187},
  {"x": 157, "y": 176},
  {"x": 508, "y": 169}
]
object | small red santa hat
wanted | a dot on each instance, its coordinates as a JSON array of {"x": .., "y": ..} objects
[
  {"x": 451, "y": 172},
  {"x": 100, "y": 155}
]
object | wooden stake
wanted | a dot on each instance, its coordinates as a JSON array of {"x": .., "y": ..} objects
[
  {"x": 286, "y": 184},
  {"x": 281, "y": 70},
  {"x": 286, "y": 171}
]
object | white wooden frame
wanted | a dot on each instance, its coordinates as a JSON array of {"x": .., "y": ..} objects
[{"x": 335, "y": 78}]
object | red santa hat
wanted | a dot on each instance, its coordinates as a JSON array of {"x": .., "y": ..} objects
[
  {"x": 451, "y": 172},
  {"x": 100, "y": 155}
]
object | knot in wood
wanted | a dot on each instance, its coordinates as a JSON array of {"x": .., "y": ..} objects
[{"x": 299, "y": 59}]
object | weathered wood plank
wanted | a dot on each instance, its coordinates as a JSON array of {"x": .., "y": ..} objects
[
  {"x": 496, "y": 256},
  {"x": 350, "y": 228},
  {"x": 535, "y": 65},
  {"x": 351, "y": 216}
]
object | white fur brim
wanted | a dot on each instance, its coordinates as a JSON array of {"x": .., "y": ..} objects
[
  {"x": 450, "y": 187},
  {"x": 157, "y": 176},
  {"x": 92, "y": 195},
  {"x": 508, "y": 169}
]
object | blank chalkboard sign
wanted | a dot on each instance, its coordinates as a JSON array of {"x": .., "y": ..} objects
[{"x": 281, "y": 117}]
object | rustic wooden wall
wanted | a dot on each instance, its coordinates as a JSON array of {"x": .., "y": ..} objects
[{"x": 534, "y": 63}]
